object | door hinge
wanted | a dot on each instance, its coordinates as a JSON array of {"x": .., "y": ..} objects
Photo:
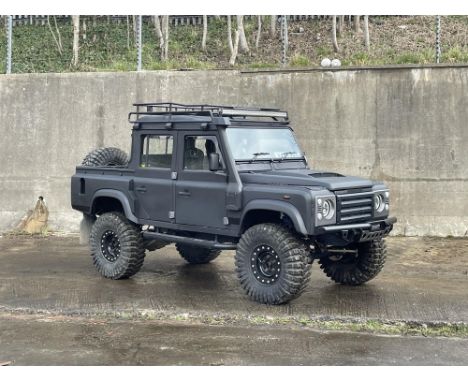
[
  {"x": 174, "y": 175},
  {"x": 171, "y": 214}
]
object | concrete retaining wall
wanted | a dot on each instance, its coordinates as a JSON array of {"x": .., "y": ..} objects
[{"x": 407, "y": 127}]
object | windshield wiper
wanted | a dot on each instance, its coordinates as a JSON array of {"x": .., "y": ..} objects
[
  {"x": 255, "y": 155},
  {"x": 284, "y": 156}
]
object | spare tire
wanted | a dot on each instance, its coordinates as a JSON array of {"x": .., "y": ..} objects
[{"x": 106, "y": 156}]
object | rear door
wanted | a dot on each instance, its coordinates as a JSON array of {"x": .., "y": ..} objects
[
  {"x": 200, "y": 193},
  {"x": 154, "y": 186}
]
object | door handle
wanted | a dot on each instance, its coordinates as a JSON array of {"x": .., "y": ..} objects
[
  {"x": 141, "y": 189},
  {"x": 184, "y": 193}
]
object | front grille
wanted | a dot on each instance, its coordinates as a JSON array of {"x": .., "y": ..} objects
[{"x": 354, "y": 207}]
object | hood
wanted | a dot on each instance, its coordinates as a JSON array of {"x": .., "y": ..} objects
[{"x": 305, "y": 177}]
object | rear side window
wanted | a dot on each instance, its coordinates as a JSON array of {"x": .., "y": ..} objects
[{"x": 157, "y": 151}]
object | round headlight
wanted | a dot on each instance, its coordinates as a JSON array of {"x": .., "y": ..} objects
[
  {"x": 379, "y": 204},
  {"x": 328, "y": 209}
]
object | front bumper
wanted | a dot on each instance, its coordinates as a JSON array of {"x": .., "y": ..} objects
[{"x": 361, "y": 231}]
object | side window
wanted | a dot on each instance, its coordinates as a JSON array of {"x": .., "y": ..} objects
[
  {"x": 197, "y": 150},
  {"x": 157, "y": 151}
]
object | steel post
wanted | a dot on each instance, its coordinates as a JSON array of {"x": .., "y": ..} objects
[
  {"x": 9, "y": 43},
  {"x": 139, "y": 42},
  {"x": 284, "y": 38},
  {"x": 438, "y": 50}
]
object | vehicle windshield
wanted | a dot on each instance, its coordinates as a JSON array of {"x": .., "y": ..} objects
[{"x": 249, "y": 144}]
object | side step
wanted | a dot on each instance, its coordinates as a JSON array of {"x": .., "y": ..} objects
[{"x": 188, "y": 240}]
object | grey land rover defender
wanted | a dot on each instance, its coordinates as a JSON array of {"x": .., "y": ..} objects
[{"x": 210, "y": 178}]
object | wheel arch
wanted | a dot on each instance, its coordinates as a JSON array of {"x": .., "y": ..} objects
[
  {"x": 272, "y": 207},
  {"x": 107, "y": 200}
]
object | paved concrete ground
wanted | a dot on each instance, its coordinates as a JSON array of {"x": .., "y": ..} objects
[
  {"x": 75, "y": 341},
  {"x": 56, "y": 309}
]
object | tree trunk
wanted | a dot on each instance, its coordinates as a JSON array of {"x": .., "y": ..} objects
[
  {"x": 135, "y": 32},
  {"x": 259, "y": 32},
  {"x": 157, "y": 26},
  {"x": 366, "y": 32},
  {"x": 58, "y": 40},
  {"x": 229, "y": 35},
  {"x": 243, "y": 45},
  {"x": 232, "y": 61},
  {"x": 205, "y": 32},
  {"x": 273, "y": 25},
  {"x": 158, "y": 31},
  {"x": 335, "y": 42},
  {"x": 357, "y": 26},
  {"x": 165, "y": 28},
  {"x": 76, "y": 40},
  {"x": 128, "y": 33},
  {"x": 59, "y": 37},
  {"x": 84, "y": 30},
  {"x": 341, "y": 22}
]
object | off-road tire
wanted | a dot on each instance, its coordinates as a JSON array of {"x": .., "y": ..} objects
[
  {"x": 367, "y": 264},
  {"x": 197, "y": 255},
  {"x": 106, "y": 156},
  {"x": 262, "y": 243},
  {"x": 131, "y": 250}
]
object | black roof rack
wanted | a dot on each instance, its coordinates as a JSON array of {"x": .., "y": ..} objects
[{"x": 172, "y": 108}]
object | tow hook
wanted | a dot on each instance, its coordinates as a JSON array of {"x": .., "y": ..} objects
[{"x": 312, "y": 255}]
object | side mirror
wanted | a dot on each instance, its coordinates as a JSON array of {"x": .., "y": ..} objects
[{"x": 213, "y": 162}]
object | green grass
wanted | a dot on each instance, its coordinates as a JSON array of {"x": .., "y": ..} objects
[
  {"x": 455, "y": 54},
  {"x": 262, "y": 65},
  {"x": 299, "y": 60},
  {"x": 111, "y": 46},
  {"x": 395, "y": 328},
  {"x": 422, "y": 57}
]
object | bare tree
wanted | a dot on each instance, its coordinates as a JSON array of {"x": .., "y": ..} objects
[
  {"x": 76, "y": 40},
  {"x": 205, "y": 32},
  {"x": 158, "y": 31},
  {"x": 335, "y": 42},
  {"x": 243, "y": 45},
  {"x": 273, "y": 25},
  {"x": 165, "y": 30},
  {"x": 84, "y": 29},
  {"x": 128, "y": 33},
  {"x": 135, "y": 31},
  {"x": 229, "y": 35},
  {"x": 366, "y": 32},
  {"x": 94, "y": 28},
  {"x": 259, "y": 31},
  {"x": 357, "y": 26},
  {"x": 232, "y": 61},
  {"x": 58, "y": 39},
  {"x": 341, "y": 21}
]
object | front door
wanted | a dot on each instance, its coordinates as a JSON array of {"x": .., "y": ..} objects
[
  {"x": 200, "y": 193},
  {"x": 153, "y": 185}
]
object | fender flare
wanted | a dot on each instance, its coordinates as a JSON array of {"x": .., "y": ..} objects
[
  {"x": 279, "y": 206},
  {"x": 120, "y": 196}
]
